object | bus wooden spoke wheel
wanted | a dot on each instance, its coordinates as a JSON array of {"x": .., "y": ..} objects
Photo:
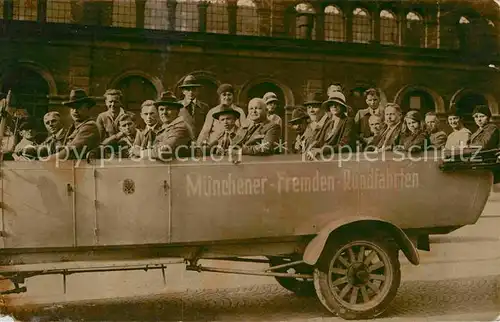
[{"x": 358, "y": 278}]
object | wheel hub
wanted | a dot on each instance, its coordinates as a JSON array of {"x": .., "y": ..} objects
[{"x": 358, "y": 274}]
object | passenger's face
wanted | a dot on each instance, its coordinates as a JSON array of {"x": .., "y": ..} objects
[
  {"x": 315, "y": 112},
  {"x": 372, "y": 101},
  {"x": 431, "y": 122},
  {"x": 113, "y": 103},
  {"x": 127, "y": 127},
  {"x": 190, "y": 93},
  {"x": 228, "y": 121},
  {"x": 336, "y": 109},
  {"x": 375, "y": 125},
  {"x": 412, "y": 125},
  {"x": 481, "y": 119},
  {"x": 454, "y": 121},
  {"x": 52, "y": 124},
  {"x": 271, "y": 107},
  {"x": 167, "y": 114},
  {"x": 150, "y": 115},
  {"x": 79, "y": 114},
  {"x": 392, "y": 115},
  {"x": 226, "y": 98},
  {"x": 257, "y": 111},
  {"x": 299, "y": 127}
]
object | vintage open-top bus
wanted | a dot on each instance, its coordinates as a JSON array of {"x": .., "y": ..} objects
[{"x": 331, "y": 227}]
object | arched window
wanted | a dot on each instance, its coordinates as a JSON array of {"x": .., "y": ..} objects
[
  {"x": 25, "y": 10},
  {"x": 418, "y": 100},
  {"x": 29, "y": 90},
  {"x": 217, "y": 17},
  {"x": 361, "y": 26},
  {"x": 415, "y": 30},
  {"x": 247, "y": 18},
  {"x": 304, "y": 21},
  {"x": 59, "y": 11},
  {"x": 124, "y": 14},
  {"x": 388, "y": 28},
  {"x": 334, "y": 24},
  {"x": 187, "y": 15},
  {"x": 136, "y": 89},
  {"x": 156, "y": 14}
]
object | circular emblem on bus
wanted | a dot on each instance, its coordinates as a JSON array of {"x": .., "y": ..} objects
[{"x": 128, "y": 186}]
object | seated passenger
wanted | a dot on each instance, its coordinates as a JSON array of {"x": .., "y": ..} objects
[
  {"x": 212, "y": 128},
  {"x": 226, "y": 116},
  {"x": 174, "y": 138},
  {"x": 341, "y": 133},
  {"x": 121, "y": 143},
  {"x": 437, "y": 138},
  {"x": 298, "y": 123},
  {"x": 391, "y": 135},
  {"x": 487, "y": 135},
  {"x": 57, "y": 134},
  {"x": 319, "y": 126},
  {"x": 375, "y": 123},
  {"x": 413, "y": 138},
  {"x": 83, "y": 136},
  {"x": 338, "y": 88},
  {"x": 272, "y": 105},
  {"x": 372, "y": 98},
  {"x": 26, "y": 148},
  {"x": 107, "y": 121},
  {"x": 460, "y": 135},
  {"x": 149, "y": 114},
  {"x": 259, "y": 136}
]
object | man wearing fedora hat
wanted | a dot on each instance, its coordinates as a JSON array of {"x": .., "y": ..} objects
[
  {"x": 212, "y": 128},
  {"x": 194, "y": 111},
  {"x": 320, "y": 124},
  {"x": 391, "y": 135},
  {"x": 272, "y": 100},
  {"x": 227, "y": 116},
  {"x": 259, "y": 136},
  {"x": 298, "y": 123},
  {"x": 174, "y": 137},
  {"x": 83, "y": 136},
  {"x": 107, "y": 121},
  {"x": 487, "y": 135}
]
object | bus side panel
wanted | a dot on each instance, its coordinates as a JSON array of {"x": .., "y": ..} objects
[
  {"x": 132, "y": 205},
  {"x": 38, "y": 204}
]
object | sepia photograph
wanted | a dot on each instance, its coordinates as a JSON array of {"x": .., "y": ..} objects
[{"x": 249, "y": 160}]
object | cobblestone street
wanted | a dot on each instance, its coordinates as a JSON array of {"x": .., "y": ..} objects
[{"x": 459, "y": 279}]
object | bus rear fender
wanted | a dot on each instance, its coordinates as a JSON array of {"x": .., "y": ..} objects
[{"x": 366, "y": 226}]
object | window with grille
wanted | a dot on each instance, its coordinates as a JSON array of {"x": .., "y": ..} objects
[
  {"x": 156, "y": 14},
  {"x": 388, "y": 28},
  {"x": 361, "y": 26},
  {"x": 247, "y": 22},
  {"x": 334, "y": 24},
  {"x": 187, "y": 15},
  {"x": 59, "y": 11},
  {"x": 25, "y": 10},
  {"x": 124, "y": 14},
  {"x": 415, "y": 30},
  {"x": 304, "y": 21},
  {"x": 217, "y": 17}
]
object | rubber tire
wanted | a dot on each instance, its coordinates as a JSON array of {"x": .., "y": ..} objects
[
  {"x": 300, "y": 288},
  {"x": 323, "y": 290}
]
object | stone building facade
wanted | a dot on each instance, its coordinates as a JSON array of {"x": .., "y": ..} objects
[{"x": 424, "y": 54}]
